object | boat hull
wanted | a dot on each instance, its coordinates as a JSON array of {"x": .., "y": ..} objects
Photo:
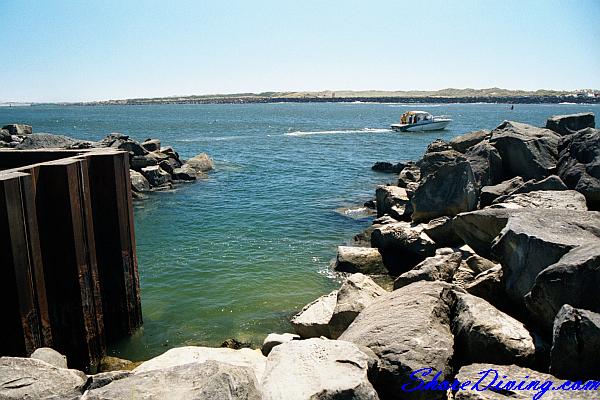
[{"x": 430, "y": 126}]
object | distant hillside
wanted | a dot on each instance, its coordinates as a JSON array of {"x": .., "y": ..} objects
[{"x": 415, "y": 96}]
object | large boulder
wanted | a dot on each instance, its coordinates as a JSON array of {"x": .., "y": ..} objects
[
  {"x": 252, "y": 359},
  {"x": 18, "y": 129},
  {"x": 441, "y": 230},
  {"x": 156, "y": 176},
  {"x": 579, "y": 164},
  {"x": 411, "y": 173},
  {"x": 576, "y": 344},
  {"x": 138, "y": 182},
  {"x": 275, "y": 339},
  {"x": 356, "y": 293},
  {"x": 45, "y": 141},
  {"x": 151, "y": 144},
  {"x": 483, "y": 333},
  {"x": 486, "y": 164},
  {"x": 402, "y": 245},
  {"x": 490, "y": 193},
  {"x": 50, "y": 356},
  {"x": 568, "y": 124},
  {"x": 440, "y": 267},
  {"x": 408, "y": 329},
  {"x": 448, "y": 191},
  {"x": 489, "y": 286},
  {"x": 313, "y": 319},
  {"x": 525, "y": 150},
  {"x": 392, "y": 200},
  {"x": 534, "y": 239},
  {"x": 565, "y": 199},
  {"x": 479, "y": 228},
  {"x": 551, "y": 182},
  {"x": 210, "y": 380},
  {"x": 574, "y": 280},
  {"x": 28, "y": 378},
  {"x": 201, "y": 163},
  {"x": 433, "y": 161},
  {"x": 464, "y": 142},
  {"x": 5, "y": 136},
  {"x": 366, "y": 260},
  {"x": 318, "y": 369},
  {"x": 511, "y": 382}
]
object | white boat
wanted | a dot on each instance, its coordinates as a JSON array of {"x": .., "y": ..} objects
[{"x": 413, "y": 121}]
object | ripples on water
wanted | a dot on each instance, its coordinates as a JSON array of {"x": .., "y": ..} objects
[{"x": 235, "y": 255}]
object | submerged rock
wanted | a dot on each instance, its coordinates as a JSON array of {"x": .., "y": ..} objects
[
  {"x": 408, "y": 329},
  {"x": 383, "y": 166},
  {"x": 318, "y": 369}
]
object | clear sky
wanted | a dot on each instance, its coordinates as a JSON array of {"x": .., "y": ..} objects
[{"x": 63, "y": 50}]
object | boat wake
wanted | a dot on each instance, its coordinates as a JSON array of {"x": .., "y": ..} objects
[{"x": 335, "y": 132}]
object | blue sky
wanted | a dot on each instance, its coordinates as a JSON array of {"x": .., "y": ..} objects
[{"x": 63, "y": 50}]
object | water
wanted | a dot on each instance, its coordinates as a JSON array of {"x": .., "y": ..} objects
[{"x": 237, "y": 254}]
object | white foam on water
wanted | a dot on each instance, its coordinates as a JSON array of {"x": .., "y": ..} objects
[{"x": 339, "y": 131}]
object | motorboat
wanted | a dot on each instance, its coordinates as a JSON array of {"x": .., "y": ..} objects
[{"x": 414, "y": 121}]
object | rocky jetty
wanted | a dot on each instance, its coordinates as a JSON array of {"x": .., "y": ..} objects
[
  {"x": 152, "y": 167},
  {"x": 493, "y": 241}
]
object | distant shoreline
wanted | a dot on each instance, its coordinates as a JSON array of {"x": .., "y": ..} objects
[{"x": 373, "y": 100}]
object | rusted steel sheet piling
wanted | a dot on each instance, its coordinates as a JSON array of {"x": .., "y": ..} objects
[{"x": 68, "y": 265}]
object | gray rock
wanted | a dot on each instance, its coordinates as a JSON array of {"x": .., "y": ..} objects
[
  {"x": 489, "y": 286},
  {"x": 534, "y": 239},
  {"x": 433, "y": 161},
  {"x": 442, "y": 232},
  {"x": 186, "y": 173},
  {"x": 411, "y": 173},
  {"x": 252, "y": 359},
  {"x": 480, "y": 264},
  {"x": 526, "y": 151},
  {"x": 448, "y": 191},
  {"x": 437, "y": 146},
  {"x": 463, "y": 142},
  {"x": 29, "y": 379},
  {"x": 275, "y": 339},
  {"x": 483, "y": 333},
  {"x": 489, "y": 376},
  {"x": 357, "y": 292},
  {"x": 5, "y": 136},
  {"x": 104, "y": 378},
  {"x": 479, "y": 228},
  {"x": 440, "y": 267},
  {"x": 408, "y": 329},
  {"x": 138, "y": 182},
  {"x": 402, "y": 245},
  {"x": 366, "y": 260},
  {"x": 546, "y": 199},
  {"x": 139, "y": 162},
  {"x": 552, "y": 182},
  {"x": 573, "y": 280},
  {"x": 45, "y": 141},
  {"x": 392, "y": 200},
  {"x": 318, "y": 369},
  {"x": 50, "y": 356},
  {"x": 313, "y": 320},
  {"x": 151, "y": 144},
  {"x": 486, "y": 164},
  {"x": 156, "y": 176},
  {"x": 579, "y": 164},
  {"x": 576, "y": 344},
  {"x": 131, "y": 146},
  {"x": 383, "y": 166},
  {"x": 201, "y": 163},
  {"x": 490, "y": 193},
  {"x": 210, "y": 380},
  {"x": 568, "y": 124},
  {"x": 18, "y": 129}
]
